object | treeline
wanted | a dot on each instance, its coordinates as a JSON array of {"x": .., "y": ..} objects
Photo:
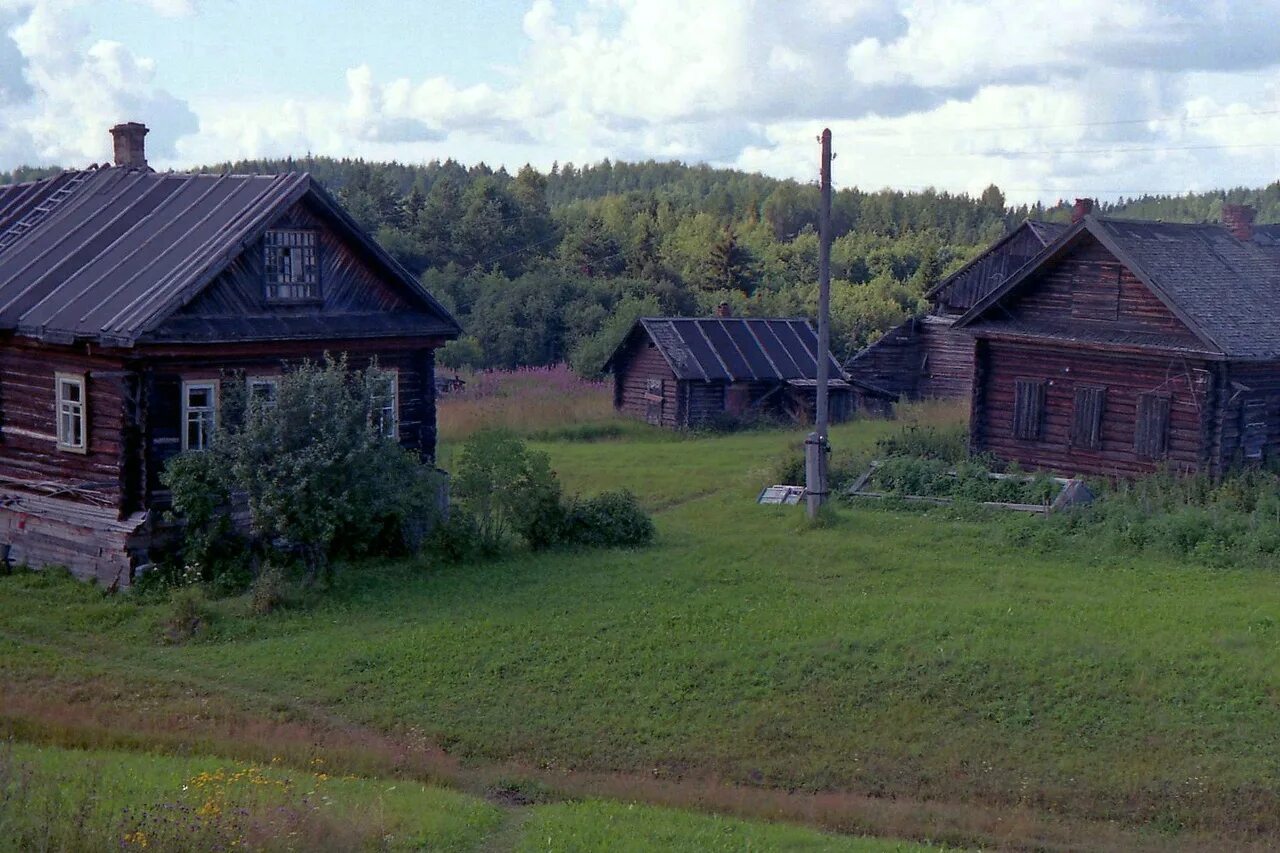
[{"x": 542, "y": 267}]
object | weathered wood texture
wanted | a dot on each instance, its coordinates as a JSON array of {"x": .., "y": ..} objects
[
  {"x": 347, "y": 284},
  {"x": 923, "y": 358},
  {"x": 988, "y": 273},
  {"x": 1063, "y": 370},
  {"x": 644, "y": 385},
  {"x": 89, "y": 541},
  {"x": 1090, "y": 290},
  {"x": 29, "y": 454}
]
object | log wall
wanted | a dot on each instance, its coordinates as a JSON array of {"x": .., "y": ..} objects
[
  {"x": 1189, "y": 383},
  {"x": 639, "y": 363},
  {"x": 29, "y": 452},
  {"x": 1090, "y": 288}
]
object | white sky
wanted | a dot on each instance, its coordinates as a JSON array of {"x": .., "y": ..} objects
[{"x": 1047, "y": 99}]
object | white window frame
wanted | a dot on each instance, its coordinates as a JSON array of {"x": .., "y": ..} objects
[
  {"x": 189, "y": 385},
  {"x": 393, "y": 429},
  {"x": 272, "y": 381},
  {"x": 75, "y": 410}
]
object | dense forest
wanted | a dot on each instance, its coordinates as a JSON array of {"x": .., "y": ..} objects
[{"x": 544, "y": 267}]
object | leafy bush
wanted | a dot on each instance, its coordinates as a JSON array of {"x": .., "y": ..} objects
[
  {"x": 188, "y": 615},
  {"x": 610, "y": 519},
  {"x": 270, "y": 590},
  {"x": 317, "y": 472},
  {"x": 506, "y": 488}
]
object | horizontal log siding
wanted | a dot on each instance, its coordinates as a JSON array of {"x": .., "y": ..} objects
[
  {"x": 892, "y": 362},
  {"x": 1063, "y": 368},
  {"x": 28, "y": 420},
  {"x": 947, "y": 359},
  {"x": 1086, "y": 277},
  {"x": 633, "y": 369},
  {"x": 703, "y": 401}
]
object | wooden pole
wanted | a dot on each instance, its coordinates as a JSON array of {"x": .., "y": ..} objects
[{"x": 817, "y": 447}]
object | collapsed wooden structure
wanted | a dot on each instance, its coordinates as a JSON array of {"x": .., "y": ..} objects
[
  {"x": 128, "y": 296},
  {"x": 680, "y": 372},
  {"x": 1125, "y": 346}
]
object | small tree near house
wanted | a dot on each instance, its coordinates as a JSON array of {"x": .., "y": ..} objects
[{"x": 315, "y": 462}]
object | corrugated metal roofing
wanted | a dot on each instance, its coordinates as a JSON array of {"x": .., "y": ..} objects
[
  {"x": 738, "y": 349},
  {"x": 108, "y": 254}
]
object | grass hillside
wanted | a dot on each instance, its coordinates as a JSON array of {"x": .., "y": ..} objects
[{"x": 947, "y": 675}]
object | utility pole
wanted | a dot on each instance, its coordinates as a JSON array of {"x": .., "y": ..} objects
[{"x": 815, "y": 446}]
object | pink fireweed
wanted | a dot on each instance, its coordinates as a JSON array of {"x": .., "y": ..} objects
[{"x": 526, "y": 400}]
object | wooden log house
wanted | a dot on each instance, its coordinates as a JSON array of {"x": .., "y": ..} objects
[
  {"x": 1124, "y": 347},
  {"x": 128, "y": 297},
  {"x": 687, "y": 372},
  {"x": 926, "y": 357}
]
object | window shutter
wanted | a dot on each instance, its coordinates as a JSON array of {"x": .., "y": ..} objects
[
  {"x": 1151, "y": 432},
  {"x": 1028, "y": 409},
  {"x": 1086, "y": 424}
]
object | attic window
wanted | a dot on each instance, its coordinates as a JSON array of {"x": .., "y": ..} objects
[{"x": 292, "y": 273}]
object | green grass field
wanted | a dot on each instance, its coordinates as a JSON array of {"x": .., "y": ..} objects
[{"x": 900, "y": 673}]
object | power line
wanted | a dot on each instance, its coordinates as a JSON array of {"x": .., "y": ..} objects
[
  {"x": 1067, "y": 125},
  {"x": 1053, "y": 152}
]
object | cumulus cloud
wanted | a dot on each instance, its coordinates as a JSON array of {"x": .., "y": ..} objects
[
  {"x": 60, "y": 90},
  {"x": 1035, "y": 95}
]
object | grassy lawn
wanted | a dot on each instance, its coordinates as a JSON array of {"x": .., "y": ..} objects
[
  {"x": 934, "y": 657},
  {"x": 72, "y": 800}
]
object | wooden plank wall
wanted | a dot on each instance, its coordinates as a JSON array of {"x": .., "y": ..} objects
[
  {"x": 946, "y": 360},
  {"x": 893, "y": 362},
  {"x": 28, "y": 421},
  {"x": 1256, "y": 383},
  {"x": 988, "y": 273},
  {"x": 1001, "y": 364},
  {"x": 639, "y": 362},
  {"x": 1077, "y": 289},
  {"x": 347, "y": 284},
  {"x": 703, "y": 401}
]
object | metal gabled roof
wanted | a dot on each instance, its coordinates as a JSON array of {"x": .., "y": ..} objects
[
  {"x": 735, "y": 349},
  {"x": 120, "y": 250}
]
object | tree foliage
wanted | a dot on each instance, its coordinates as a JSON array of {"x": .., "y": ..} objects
[{"x": 314, "y": 466}]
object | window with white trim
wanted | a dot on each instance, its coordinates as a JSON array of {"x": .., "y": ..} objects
[
  {"x": 291, "y": 266},
  {"x": 386, "y": 405},
  {"x": 199, "y": 414},
  {"x": 72, "y": 408},
  {"x": 263, "y": 390}
]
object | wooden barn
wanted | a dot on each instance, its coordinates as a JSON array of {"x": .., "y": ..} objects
[
  {"x": 926, "y": 357},
  {"x": 128, "y": 297},
  {"x": 689, "y": 372},
  {"x": 1127, "y": 346}
]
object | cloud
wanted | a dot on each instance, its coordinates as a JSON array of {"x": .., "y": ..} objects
[
  {"x": 955, "y": 93},
  {"x": 60, "y": 90}
]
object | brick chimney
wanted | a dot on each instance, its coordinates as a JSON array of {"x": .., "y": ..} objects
[
  {"x": 723, "y": 310},
  {"x": 1084, "y": 206},
  {"x": 130, "y": 144},
  {"x": 1239, "y": 220}
]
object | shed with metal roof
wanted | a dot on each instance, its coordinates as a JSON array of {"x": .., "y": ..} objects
[{"x": 682, "y": 372}]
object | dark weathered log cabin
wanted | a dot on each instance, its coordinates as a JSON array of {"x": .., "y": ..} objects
[
  {"x": 128, "y": 296},
  {"x": 925, "y": 357},
  {"x": 1129, "y": 346},
  {"x": 689, "y": 372}
]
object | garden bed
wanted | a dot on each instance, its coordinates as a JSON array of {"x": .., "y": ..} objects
[{"x": 935, "y": 482}]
